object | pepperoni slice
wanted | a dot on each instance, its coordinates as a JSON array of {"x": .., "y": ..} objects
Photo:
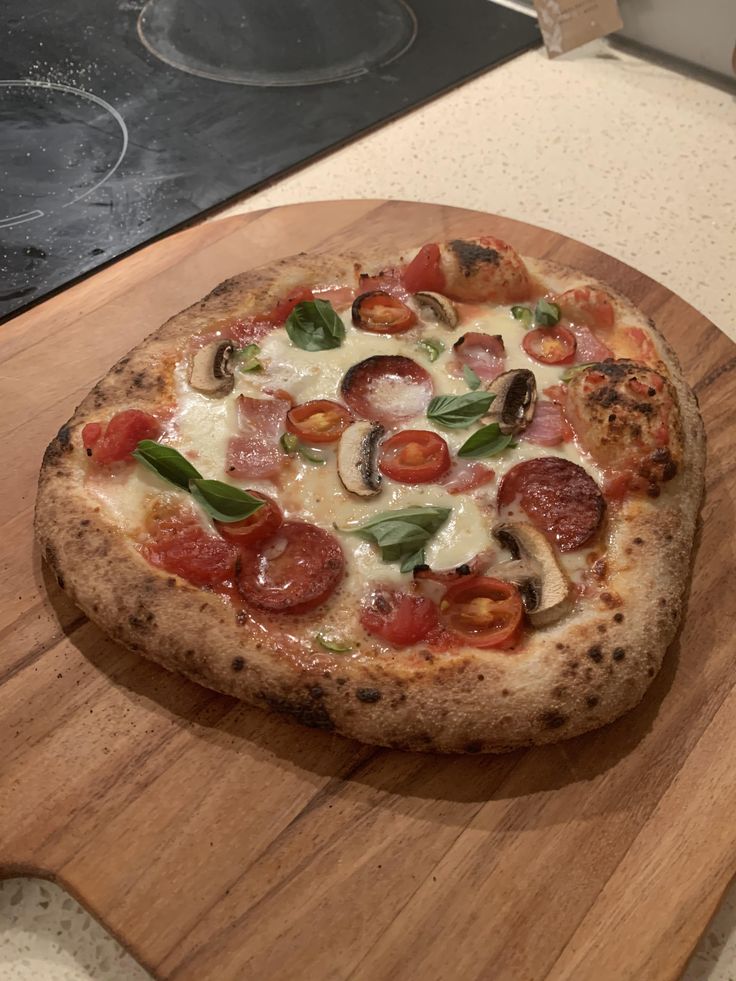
[
  {"x": 295, "y": 570},
  {"x": 548, "y": 427},
  {"x": 466, "y": 475},
  {"x": 261, "y": 524},
  {"x": 256, "y": 451},
  {"x": 179, "y": 544},
  {"x": 387, "y": 388},
  {"x": 483, "y": 353},
  {"x": 560, "y": 499}
]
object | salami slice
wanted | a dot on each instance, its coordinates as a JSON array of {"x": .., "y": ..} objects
[
  {"x": 387, "y": 388},
  {"x": 560, "y": 499}
]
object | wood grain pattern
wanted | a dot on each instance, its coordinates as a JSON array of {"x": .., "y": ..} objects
[{"x": 219, "y": 842}]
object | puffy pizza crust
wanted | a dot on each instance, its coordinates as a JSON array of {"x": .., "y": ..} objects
[{"x": 569, "y": 678}]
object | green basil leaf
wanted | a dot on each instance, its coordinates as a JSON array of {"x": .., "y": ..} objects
[
  {"x": 546, "y": 314},
  {"x": 523, "y": 314},
  {"x": 166, "y": 462},
  {"x": 471, "y": 379},
  {"x": 413, "y": 560},
  {"x": 459, "y": 411},
  {"x": 223, "y": 501},
  {"x": 331, "y": 645},
  {"x": 289, "y": 443},
  {"x": 487, "y": 441},
  {"x": 314, "y": 326},
  {"x": 401, "y": 535},
  {"x": 246, "y": 358},
  {"x": 432, "y": 347},
  {"x": 569, "y": 373}
]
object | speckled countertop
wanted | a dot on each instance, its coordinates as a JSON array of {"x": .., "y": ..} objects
[{"x": 617, "y": 151}]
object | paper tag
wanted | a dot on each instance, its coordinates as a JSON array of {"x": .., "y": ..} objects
[{"x": 566, "y": 24}]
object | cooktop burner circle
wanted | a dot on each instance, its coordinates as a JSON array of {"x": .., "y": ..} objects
[
  {"x": 277, "y": 42},
  {"x": 58, "y": 144}
]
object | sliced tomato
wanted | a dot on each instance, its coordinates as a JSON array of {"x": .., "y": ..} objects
[
  {"x": 387, "y": 388},
  {"x": 397, "y": 617},
  {"x": 319, "y": 421},
  {"x": 120, "y": 437},
  {"x": 179, "y": 544},
  {"x": 550, "y": 345},
  {"x": 485, "y": 612},
  {"x": 381, "y": 313},
  {"x": 645, "y": 349},
  {"x": 295, "y": 570},
  {"x": 414, "y": 456},
  {"x": 260, "y": 525},
  {"x": 588, "y": 306},
  {"x": 424, "y": 272},
  {"x": 466, "y": 475},
  {"x": 279, "y": 314},
  {"x": 485, "y": 354}
]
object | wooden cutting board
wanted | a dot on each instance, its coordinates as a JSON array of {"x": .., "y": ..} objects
[{"x": 220, "y": 842}]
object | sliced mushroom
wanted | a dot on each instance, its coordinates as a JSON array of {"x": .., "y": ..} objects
[
  {"x": 356, "y": 458},
  {"x": 516, "y": 396},
  {"x": 438, "y": 306},
  {"x": 212, "y": 370},
  {"x": 543, "y": 584}
]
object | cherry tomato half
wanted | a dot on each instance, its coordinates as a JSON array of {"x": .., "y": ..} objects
[
  {"x": 381, "y": 313},
  {"x": 319, "y": 421},
  {"x": 414, "y": 456},
  {"x": 483, "y": 611},
  {"x": 259, "y": 525},
  {"x": 550, "y": 345},
  {"x": 398, "y": 617},
  {"x": 424, "y": 271},
  {"x": 280, "y": 313}
]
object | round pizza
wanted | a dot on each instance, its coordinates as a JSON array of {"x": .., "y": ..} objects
[{"x": 442, "y": 500}]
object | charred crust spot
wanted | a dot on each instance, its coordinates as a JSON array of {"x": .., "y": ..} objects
[
  {"x": 591, "y": 701},
  {"x": 559, "y": 691},
  {"x": 311, "y": 713},
  {"x": 650, "y": 672},
  {"x": 602, "y": 629},
  {"x": 474, "y": 747},
  {"x": 368, "y": 695},
  {"x": 552, "y": 720},
  {"x": 341, "y": 681},
  {"x": 60, "y": 582},
  {"x": 662, "y": 601},
  {"x": 638, "y": 541},
  {"x": 237, "y": 663},
  {"x": 618, "y": 618},
  {"x": 470, "y": 255},
  {"x": 84, "y": 522},
  {"x": 505, "y": 693},
  {"x": 595, "y": 653},
  {"x": 316, "y": 691},
  {"x": 428, "y": 656},
  {"x": 64, "y": 439},
  {"x": 170, "y": 582},
  {"x": 481, "y": 677},
  {"x": 559, "y": 646},
  {"x": 618, "y": 654},
  {"x": 88, "y": 451},
  {"x": 574, "y": 665}
]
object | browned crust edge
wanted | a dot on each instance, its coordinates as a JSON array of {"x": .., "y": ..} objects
[{"x": 570, "y": 678}]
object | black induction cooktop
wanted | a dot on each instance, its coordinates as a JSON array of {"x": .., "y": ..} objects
[{"x": 122, "y": 119}]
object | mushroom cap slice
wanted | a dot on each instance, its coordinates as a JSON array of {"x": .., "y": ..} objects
[
  {"x": 544, "y": 586},
  {"x": 211, "y": 371},
  {"x": 438, "y": 306},
  {"x": 516, "y": 397},
  {"x": 357, "y": 466}
]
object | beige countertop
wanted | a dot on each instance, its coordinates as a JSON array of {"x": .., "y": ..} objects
[{"x": 620, "y": 152}]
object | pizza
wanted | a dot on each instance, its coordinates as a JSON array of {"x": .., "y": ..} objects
[{"x": 438, "y": 500}]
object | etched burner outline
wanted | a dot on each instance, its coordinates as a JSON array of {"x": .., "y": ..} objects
[
  {"x": 276, "y": 81},
  {"x": 26, "y": 216}
]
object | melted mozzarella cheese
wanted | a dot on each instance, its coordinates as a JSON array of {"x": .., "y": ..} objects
[{"x": 203, "y": 425}]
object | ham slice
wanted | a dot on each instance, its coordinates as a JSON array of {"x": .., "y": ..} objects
[
  {"x": 255, "y": 451},
  {"x": 466, "y": 475},
  {"x": 548, "y": 427},
  {"x": 482, "y": 353},
  {"x": 589, "y": 347}
]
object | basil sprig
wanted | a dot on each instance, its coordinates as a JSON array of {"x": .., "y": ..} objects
[
  {"x": 221, "y": 501},
  {"x": 401, "y": 535},
  {"x": 486, "y": 441},
  {"x": 471, "y": 379},
  {"x": 546, "y": 314},
  {"x": 167, "y": 463},
  {"x": 459, "y": 411},
  {"x": 523, "y": 314},
  {"x": 432, "y": 347},
  {"x": 291, "y": 444},
  {"x": 314, "y": 326}
]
